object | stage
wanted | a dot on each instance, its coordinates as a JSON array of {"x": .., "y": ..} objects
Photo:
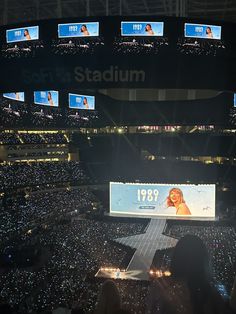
[
  {"x": 146, "y": 245},
  {"x": 111, "y": 273}
]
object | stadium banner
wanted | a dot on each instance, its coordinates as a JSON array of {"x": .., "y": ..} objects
[
  {"x": 84, "y": 102},
  {"x": 22, "y": 34},
  {"x": 144, "y": 199},
  {"x": 142, "y": 28},
  {"x": 87, "y": 29},
  {"x": 46, "y": 98},
  {"x": 202, "y": 31},
  {"x": 20, "y": 96},
  {"x": 123, "y": 73}
]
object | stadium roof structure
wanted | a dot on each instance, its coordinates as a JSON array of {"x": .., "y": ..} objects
[{"x": 13, "y": 11}]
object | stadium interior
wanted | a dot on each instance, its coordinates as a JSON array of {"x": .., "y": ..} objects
[{"x": 73, "y": 142}]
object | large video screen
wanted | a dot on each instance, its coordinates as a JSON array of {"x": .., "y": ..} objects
[
  {"x": 77, "y": 101},
  {"x": 234, "y": 100},
  {"x": 46, "y": 98},
  {"x": 20, "y": 96},
  {"x": 87, "y": 29},
  {"x": 22, "y": 34},
  {"x": 202, "y": 31},
  {"x": 162, "y": 199},
  {"x": 142, "y": 28}
]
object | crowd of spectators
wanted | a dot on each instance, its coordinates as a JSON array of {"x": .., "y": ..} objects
[
  {"x": 57, "y": 138},
  {"x": 46, "y": 116},
  {"x": 82, "y": 118},
  {"x": 61, "y": 46},
  {"x": 14, "y": 114},
  {"x": 22, "y": 49},
  {"x": 76, "y": 250},
  {"x": 77, "y": 246},
  {"x": 201, "y": 47},
  {"x": 41, "y": 173},
  {"x": 9, "y": 138},
  {"x": 161, "y": 260},
  {"x": 20, "y": 148},
  {"x": 128, "y": 45},
  {"x": 39, "y": 207},
  {"x": 46, "y": 138},
  {"x": 74, "y": 46},
  {"x": 39, "y": 155},
  {"x": 32, "y": 138},
  {"x": 133, "y": 295},
  {"x": 124, "y": 45}
]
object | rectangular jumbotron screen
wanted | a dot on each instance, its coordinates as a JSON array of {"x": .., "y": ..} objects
[
  {"x": 85, "y": 29},
  {"x": 202, "y": 31},
  {"x": 22, "y": 34},
  {"x": 177, "y": 200},
  {"x": 139, "y": 28}
]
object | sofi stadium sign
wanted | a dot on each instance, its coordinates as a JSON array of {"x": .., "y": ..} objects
[
  {"x": 80, "y": 74},
  {"x": 113, "y": 74}
]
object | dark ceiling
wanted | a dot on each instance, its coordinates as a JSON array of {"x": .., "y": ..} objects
[{"x": 12, "y": 11}]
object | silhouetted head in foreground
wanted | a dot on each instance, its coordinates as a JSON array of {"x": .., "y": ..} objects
[
  {"x": 109, "y": 300},
  {"x": 190, "y": 260},
  {"x": 189, "y": 289}
]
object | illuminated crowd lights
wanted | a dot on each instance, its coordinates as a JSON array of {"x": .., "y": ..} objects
[
  {"x": 110, "y": 269},
  {"x": 159, "y": 273}
]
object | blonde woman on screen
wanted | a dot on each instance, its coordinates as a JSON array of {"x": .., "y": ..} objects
[
  {"x": 84, "y": 30},
  {"x": 176, "y": 199},
  {"x": 50, "y": 100},
  {"x": 17, "y": 96},
  {"x": 149, "y": 30},
  {"x": 209, "y": 33},
  {"x": 85, "y": 103},
  {"x": 27, "y": 34}
]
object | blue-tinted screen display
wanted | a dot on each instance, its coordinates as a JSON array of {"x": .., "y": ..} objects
[
  {"x": 162, "y": 199},
  {"x": 20, "y": 96},
  {"x": 22, "y": 34},
  {"x": 47, "y": 98},
  {"x": 142, "y": 28},
  {"x": 202, "y": 31},
  {"x": 77, "y": 101},
  {"x": 87, "y": 29}
]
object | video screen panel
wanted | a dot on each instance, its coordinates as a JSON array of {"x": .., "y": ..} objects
[
  {"x": 182, "y": 200},
  {"x": 22, "y": 34},
  {"x": 85, "y": 102},
  {"x": 235, "y": 100},
  {"x": 46, "y": 98},
  {"x": 20, "y": 96},
  {"x": 87, "y": 29},
  {"x": 202, "y": 31},
  {"x": 142, "y": 28}
]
